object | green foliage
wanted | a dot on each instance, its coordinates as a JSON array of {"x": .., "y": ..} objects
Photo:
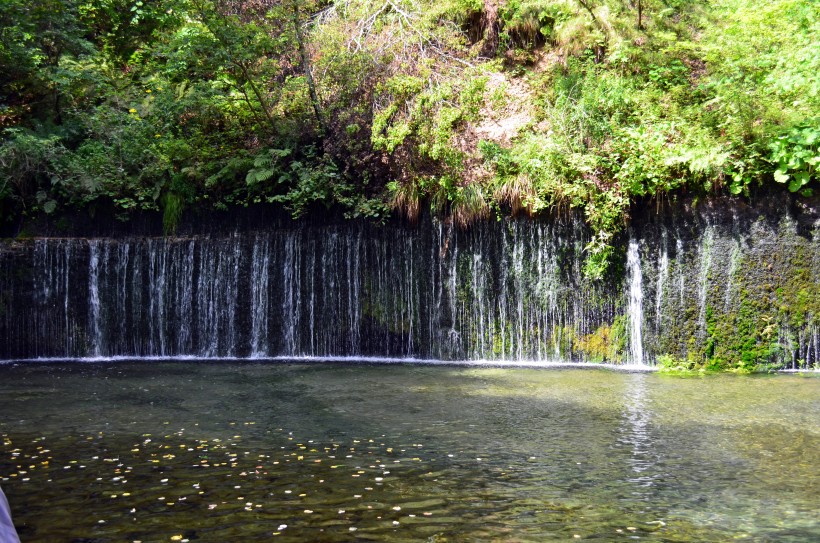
[
  {"x": 172, "y": 212},
  {"x": 529, "y": 23},
  {"x": 298, "y": 180},
  {"x": 669, "y": 75},
  {"x": 364, "y": 106},
  {"x": 406, "y": 199},
  {"x": 468, "y": 205},
  {"x": 268, "y": 165},
  {"x": 672, "y": 365},
  {"x": 606, "y": 344},
  {"x": 797, "y": 156}
]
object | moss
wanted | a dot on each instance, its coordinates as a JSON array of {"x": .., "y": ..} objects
[
  {"x": 760, "y": 307},
  {"x": 777, "y": 297},
  {"x": 670, "y": 364},
  {"x": 595, "y": 346},
  {"x": 562, "y": 340},
  {"x": 606, "y": 344}
]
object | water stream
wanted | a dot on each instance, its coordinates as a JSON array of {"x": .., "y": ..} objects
[{"x": 635, "y": 306}]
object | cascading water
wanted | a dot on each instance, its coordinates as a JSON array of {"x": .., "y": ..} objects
[
  {"x": 506, "y": 290},
  {"x": 259, "y": 296},
  {"x": 703, "y": 277},
  {"x": 734, "y": 264},
  {"x": 663, "y": 275},
  {"x": 680, "y": 269},
  {"x": 94, "y": 297},
  {"x": 635, "y": 305},
  {"x": 291, "y": 300}
]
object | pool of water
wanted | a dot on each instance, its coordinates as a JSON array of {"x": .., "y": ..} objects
[{"x": 241, "y": 451}]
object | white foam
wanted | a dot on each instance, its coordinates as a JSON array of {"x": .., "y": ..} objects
[{"x": 353, "y": 360}]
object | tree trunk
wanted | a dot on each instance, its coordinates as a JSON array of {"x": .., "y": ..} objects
[
  {"x": 314, "y": 97},
  {"x": 490, "y": 28},
  {"x": 640, "y": 15}
]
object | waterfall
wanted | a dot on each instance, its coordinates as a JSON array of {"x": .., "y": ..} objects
[
  {"x": 120, "y": 265},
  {"x": 94, "y": 298},
  {"x": 519, "y": 290},
  {"x": 703, "y": 278},
  {"x": 291, "y": 304},
  {"x": 157, "y": 279},
  {"x": 679, "y": 266},
  {"x": 734, "y": 264},
  {"x": 635, "y": 305},
  {"x": 453, "y": 337},
  {"x": 663, "y": 274},
  {"x": 259, "y": 297},
  {"x": 505, "y": 290},
  {"x": 184, "y": 295}
]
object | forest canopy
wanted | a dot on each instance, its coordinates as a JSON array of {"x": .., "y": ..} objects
[{"x": 472, "y": 108}]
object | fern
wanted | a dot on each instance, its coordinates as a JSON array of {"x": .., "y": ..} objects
[{"x": 266, "y": 165}]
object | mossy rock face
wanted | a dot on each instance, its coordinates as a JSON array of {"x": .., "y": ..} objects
[{"x": 741, "y": 288}]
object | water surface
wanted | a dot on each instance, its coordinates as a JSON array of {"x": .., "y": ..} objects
[{"x": 240, "y": 451}]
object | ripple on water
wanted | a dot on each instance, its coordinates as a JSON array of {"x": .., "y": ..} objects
[{"x": 402, "y": 453}]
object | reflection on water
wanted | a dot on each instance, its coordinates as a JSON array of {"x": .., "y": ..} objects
[
  {"x": 335, "y": 452},
  {"x": 635, "y": 435}
]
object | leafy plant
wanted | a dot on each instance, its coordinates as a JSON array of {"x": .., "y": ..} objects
[{"x": 796, "y": 155}]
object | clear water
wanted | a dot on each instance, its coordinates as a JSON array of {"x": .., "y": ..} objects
[{"x": 174, "y": 451}]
